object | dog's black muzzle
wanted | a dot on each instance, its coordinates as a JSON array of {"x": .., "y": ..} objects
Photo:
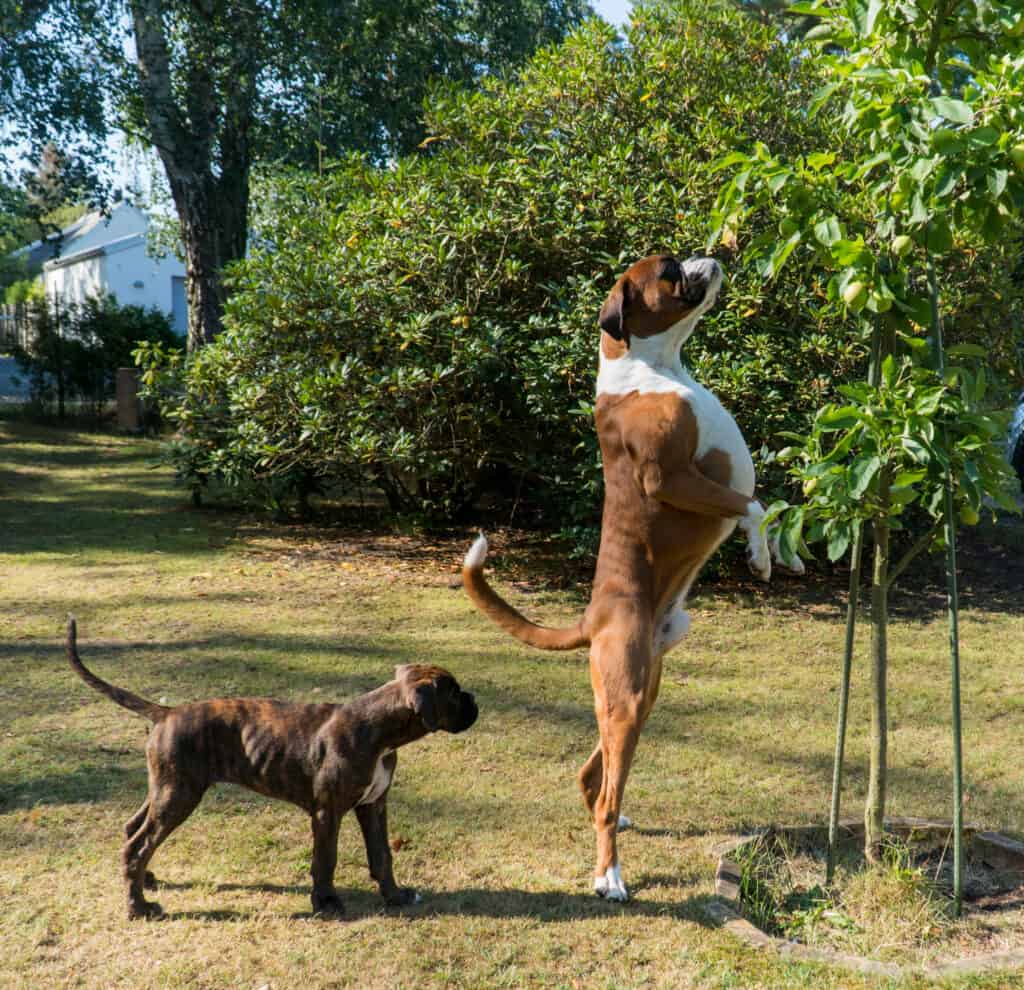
[{"x": 467, "y": 712}]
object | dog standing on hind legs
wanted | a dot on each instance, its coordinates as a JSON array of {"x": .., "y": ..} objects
[{"x": 678, "y": 480}]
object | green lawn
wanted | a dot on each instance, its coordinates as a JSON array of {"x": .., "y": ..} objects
[{"x": 178, "y": 604}]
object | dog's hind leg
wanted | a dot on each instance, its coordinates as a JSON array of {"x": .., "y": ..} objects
[
  {"x": 132, "y": 825},
  {"x": 590, "y": 776},
  {"x": 168, "y": 808},
  {"x": 624, "y": 677},
  {"x": 130, "y": 828}
]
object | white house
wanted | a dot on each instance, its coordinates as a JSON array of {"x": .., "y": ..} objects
[{"x": 101, "y": 255}]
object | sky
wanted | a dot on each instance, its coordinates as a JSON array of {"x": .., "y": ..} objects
[{"x": 614, "y": 11}]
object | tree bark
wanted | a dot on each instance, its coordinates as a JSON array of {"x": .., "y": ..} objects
[
  {"x": 203, "y": 142},
  {"x": 874, "y": 810}
]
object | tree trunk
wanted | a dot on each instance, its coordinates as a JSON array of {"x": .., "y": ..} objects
[
  {"x": 214, "y": 227},
  {"x": 202, "y": 137},
  {"x": 874, "y": 810}
]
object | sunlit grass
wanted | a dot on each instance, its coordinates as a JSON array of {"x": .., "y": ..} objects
[{"x": 180, "y": 604}]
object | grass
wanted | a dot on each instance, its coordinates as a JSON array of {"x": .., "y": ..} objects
[
  {"x": 178, "y": 604},
  {"x": 899, "y": 910}
]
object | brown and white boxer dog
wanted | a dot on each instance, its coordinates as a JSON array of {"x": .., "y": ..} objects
[{"x": 678, "y": 480}]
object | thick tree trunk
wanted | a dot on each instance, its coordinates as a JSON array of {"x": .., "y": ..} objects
[
  {"x": 202, "y": 136},
  {"x": 874, "y": 810},
  {"x": 214, "y": 228}
]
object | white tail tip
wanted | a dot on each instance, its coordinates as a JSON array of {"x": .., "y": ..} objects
[{"x": 477, "y": 552}]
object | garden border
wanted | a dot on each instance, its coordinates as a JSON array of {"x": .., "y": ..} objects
[{"x": 998, "y": 850}]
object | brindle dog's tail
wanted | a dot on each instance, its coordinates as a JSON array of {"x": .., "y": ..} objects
[
  {"x": 125, "y": 699},
  {"x": 500, "y": 612}
]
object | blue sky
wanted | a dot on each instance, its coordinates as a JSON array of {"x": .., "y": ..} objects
[{"x": 614, "y": 11}]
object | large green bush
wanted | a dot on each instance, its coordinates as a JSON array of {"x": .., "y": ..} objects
[{"x": 430, "y": 327}]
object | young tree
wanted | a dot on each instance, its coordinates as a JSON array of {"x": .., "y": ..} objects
[{"x": 932, "y": 102}]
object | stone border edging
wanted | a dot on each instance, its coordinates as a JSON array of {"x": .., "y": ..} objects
[{"x": 996, "y": 849}]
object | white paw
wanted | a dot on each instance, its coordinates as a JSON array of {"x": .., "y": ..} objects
[
  {"x": 625, "y": 823},
  {"x": 672, "y": 630},
  {"x": 759, "y": 559},
  {"x": 610, "y": 886}
]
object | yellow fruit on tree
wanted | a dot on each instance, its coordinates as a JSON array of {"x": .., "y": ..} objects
[
  {"x": 969, "y": 515},
  {"x": 902, "y": 245},
  {"x": 855, "y": 295}
]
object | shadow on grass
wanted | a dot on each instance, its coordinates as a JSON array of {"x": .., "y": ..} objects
[{"x": 472, "y": 902}]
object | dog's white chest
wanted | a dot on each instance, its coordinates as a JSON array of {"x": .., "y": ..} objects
[
  {"x": 648, "y": 368},
  {"x": 380, "y": 782}
]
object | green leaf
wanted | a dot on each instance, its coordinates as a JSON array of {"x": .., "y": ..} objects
[
  {"x": 863, "y": 14},
  {"x": 955, "y": 111},
  {"x": 819, "y": 33},
  {"x": 861, "y": 473},
  {"x": 904, "y": 479},
  {"x": 996, "y": 181},
  {"x": 828, "y": 231},
  {"x": 790, "y": 534},
  {"x": 939, "y": 238},
  {"x": 948, "y": 178},
  {"x": 966, "y": 350},
  {"x": 781, "y": 253},
  {"x": 841, "y": 418},
  {"x": 838, "y": 541}
]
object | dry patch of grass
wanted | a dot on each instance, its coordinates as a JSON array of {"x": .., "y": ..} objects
[
  {"x": 899, "y": 910},
  {"x": 180, "y": 604}
]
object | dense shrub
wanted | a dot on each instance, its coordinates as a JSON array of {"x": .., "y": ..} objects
[
  {"x": 78, "y": 349},
  {"x": 431, "y": 327}
]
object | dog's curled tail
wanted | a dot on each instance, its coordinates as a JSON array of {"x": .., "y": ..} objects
[
  {"x": 125, "y": 699},
  {"x": 500, "y": 612}
]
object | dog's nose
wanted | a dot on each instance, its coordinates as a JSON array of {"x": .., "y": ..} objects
[{"x": 468, "y": 713}]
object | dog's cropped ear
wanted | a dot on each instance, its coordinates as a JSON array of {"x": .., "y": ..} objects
[
  {"x": 613, "y": 313},
  {"x": 424, "y": 704}
]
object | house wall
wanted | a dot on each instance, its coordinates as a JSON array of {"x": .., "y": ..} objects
[
  {"x": 75, "y": 283},
  {"x": 123, "y": 271}
]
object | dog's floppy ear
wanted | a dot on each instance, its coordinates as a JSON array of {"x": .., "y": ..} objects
[
  {"x": 613, "y": 313},
  {"x": 424, "y": 704}
]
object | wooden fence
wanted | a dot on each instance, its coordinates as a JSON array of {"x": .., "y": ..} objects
[{"x": 17, "y": 325}]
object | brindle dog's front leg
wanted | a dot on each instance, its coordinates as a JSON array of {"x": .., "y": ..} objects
[
  {"x": 373, "y": 820},
  {"x": 325, "y": 858}
]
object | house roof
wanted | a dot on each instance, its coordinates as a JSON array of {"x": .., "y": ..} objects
[
  {"x": 110, "y": 247},
  {"x": 73, "y": 238}
]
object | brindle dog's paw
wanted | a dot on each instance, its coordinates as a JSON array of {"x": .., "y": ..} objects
[
  {"x": 144, "y": 909},
  {"x": 402, "y": 897},
  {"x": 149, "y": 881},
  {"x": 328, "y": 905}
]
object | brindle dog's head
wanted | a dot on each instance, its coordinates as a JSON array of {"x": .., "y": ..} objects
[
  {"x": 657, "y": 293},
  {"x": 436, "y": 698}
]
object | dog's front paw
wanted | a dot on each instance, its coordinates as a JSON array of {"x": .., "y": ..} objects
[
  {"x": 610, "y": 886},
  {"x": 401, "y": 897},
  {"x": 759, "y": 560},
  {"x": 329, "y": 905},
  {"x": 144, "y": 909}
]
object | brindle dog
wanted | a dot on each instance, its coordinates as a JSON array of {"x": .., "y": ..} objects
[{"x": 328, "y": 759}]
